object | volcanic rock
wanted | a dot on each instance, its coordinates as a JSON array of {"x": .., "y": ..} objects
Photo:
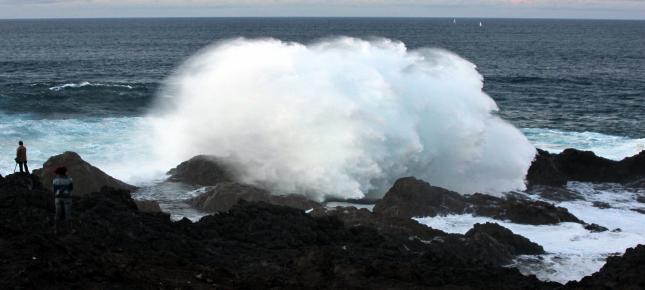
[
  {"x": 489, "y": 243},
  {"x": 554, "y": 193},
  {"x": 224, "y": 195},
  {"x": 87, "y": 178},
  {"x": 21, "y": 181},
  {"x": 639, "y": 210},
  {"x": 521, "y": 211},
  {"x": 150, "y": 206},
  {"x": 638, "y": 183},
  {"x": 586, "y": 166},
  {"x": 601, "y": 205},
  {"x": 410, "y": 197},
  {"x": 516, "y": 244},
  {"x": 595, "y": 228},
  {"x": 202, "y": 170},
  {"x": 543, "y": 171},
  {"x": 576, "y": 165},
  {"x": 252, "y": 246},
  {"x": 640, "y": 198},
  {"x": 620, "y": 272}
]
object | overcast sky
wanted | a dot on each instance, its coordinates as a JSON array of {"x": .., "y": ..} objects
[{"x": 602, "y": 9}]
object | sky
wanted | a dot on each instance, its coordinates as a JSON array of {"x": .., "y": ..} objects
[{"x": 593, "y": 9}]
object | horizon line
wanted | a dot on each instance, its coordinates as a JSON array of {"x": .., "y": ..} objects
[{"x": 314, "y": 17}]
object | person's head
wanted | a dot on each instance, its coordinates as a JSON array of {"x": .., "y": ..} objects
[
  {"x": 61, "y": 171},
  {"x": 20, "y": 143}
]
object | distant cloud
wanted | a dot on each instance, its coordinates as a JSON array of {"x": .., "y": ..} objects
[{"x": 463, "y": 8}]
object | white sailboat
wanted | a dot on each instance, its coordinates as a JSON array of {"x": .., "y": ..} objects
[
  {"x": 480, "y": 24},
  {"x": 454, "y": 21}
]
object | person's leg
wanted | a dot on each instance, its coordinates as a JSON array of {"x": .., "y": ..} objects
[
  {"x": 20, "y": 165},
  {"x": 68, "y": 214},
  {"x": 68, "y": 209},
  {"x": 26, "y": 168},
  {"x": 59, "y": 208}
]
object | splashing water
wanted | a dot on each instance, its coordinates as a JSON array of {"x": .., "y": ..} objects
[{"x": 341, "y": 117}]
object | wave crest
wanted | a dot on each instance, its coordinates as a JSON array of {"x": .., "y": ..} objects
[{"x": 86, "y": 84}]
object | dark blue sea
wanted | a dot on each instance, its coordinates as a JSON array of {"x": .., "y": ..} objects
[
  {"x": 88, "y": 85},
  {"x": 573, "y": 75}
]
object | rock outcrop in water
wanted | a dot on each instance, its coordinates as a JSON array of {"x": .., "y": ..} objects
[
  {"x": 620, "y": 272},
  {"x": 87, "y": 178},
  {"x": 202, "y": 170},
  {"x": 410, "y": 197},
  {"x": 489, "y": 243},
  {"x": 225, "y": 195},
  {"x": 252, "y": 246},
  {"x": 576, "y": 165},
  {"x": 544, "y": 171}
]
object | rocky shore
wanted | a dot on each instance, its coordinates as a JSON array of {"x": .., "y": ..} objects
[{"x": 256, "y": 240}]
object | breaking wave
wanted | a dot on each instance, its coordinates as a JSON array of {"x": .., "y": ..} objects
[
  {"x": 86, "y": 84},
  {"x": 342, "y": 117}
]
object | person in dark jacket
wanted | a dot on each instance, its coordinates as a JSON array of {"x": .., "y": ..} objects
[
  {"x": 21, "y": 157},
  {"x": 63, "y": 186}
]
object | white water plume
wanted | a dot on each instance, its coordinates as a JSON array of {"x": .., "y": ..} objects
[{"x": 341, "y": 117}]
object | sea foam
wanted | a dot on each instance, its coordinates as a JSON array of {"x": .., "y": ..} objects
[
  {"x": 341, "y": 117},
  {"x": 608, "y": 146},
  {"x": 572, "y": 251}
]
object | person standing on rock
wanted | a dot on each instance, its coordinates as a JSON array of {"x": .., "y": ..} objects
[
  {"x": 63, "y": 187},
  {"x": 21, "y": 157}
]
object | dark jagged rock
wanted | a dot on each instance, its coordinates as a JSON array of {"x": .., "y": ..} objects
[
  {"x": 595, "y": 228},
  {"x": 224, "y": 195},
  {"x": 554, "y": 193},
  {"x": 516, "y": 244},
  {"x": 638, "y": 183},
  {"x": 252, "y": 246},
  {"x": 410, "y": 197},
  {"x": 150, "y": 206},
  {"x": 639, "y": 210},
  {"x": 488, "y": 243},
  {"x": 586, "y": 166},
  {"x": 518, "y": 210},
  {"x": 576, "y": 165},
  {"x": 601, "y": 205},
  {"x": 543, "y": 171},
  {"x": 21, "y": 181},
  {"x": 203, "y": 170},
  {"x": 640, "y": 198},
  {"x": 87, "y": 178},
  {"x": 620, "y": 272}
]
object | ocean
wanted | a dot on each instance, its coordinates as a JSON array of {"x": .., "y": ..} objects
[{"x": 90, "y": 86}]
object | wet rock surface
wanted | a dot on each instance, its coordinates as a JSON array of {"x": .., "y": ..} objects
[
  {"x": 224, "y": 195},
  {"x": 410, "y": 197},
  {"x": 544, "y": 171},
  {"x": 252, "y": 246},
  {"x": 202, "y": 170},
  {"x": 147, "y": 206},
  {"x": 554, "y": 193},
  {"x": 638, "y": 183},
  {"x": 640, "y": 198},
  {"x": 87, "y": 178},
  {"x": 514, "y": 244},
  {"x": 577, "y": 165},
  {"x": 488, "y": 243},
  {"x": 620, "y": 272},
  {"x": 595, "y": 228},
  {"x": 256, "y": 246}
]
